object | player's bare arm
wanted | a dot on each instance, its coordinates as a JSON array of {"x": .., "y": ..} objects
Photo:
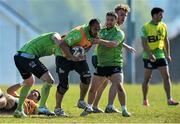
[
  {"x": 167, "y": 49},
  {"x": 65, "y": 48},
  {"x": 12, "y": 90},
  {"x": 129, "y": 48},
  {"x": 109, "y": 44}
]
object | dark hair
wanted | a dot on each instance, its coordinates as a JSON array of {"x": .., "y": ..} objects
[
  {"x": 63, "y": 36},
  {"x": 156, "y": 10},
  {"x": 111, "y": 13},
  {"x": 39, "y": 95},
  {"x": 93, "y": 21}
]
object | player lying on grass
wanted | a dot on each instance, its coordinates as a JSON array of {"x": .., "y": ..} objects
[
  {"x": 9, "y": 101},
  {"x": 28, "y": 63},
  {"x": 110, "y": 62},
  {"x": 122, "y": 12}
]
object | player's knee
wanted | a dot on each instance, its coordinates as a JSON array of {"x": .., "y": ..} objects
[
  {"x": 86, "y": 78},
  {"x": 120, "y": 87},
  {"x": 29, "y": 82},
  {"x": 63, "y": 84},
  {"x": 61, "y": 89},
  {"x": 167, "y": 76},
  {"x": 50, "y": 81},
  {"x": 147, "y": 79}
]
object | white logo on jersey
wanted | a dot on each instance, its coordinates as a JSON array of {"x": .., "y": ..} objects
[
  {"x": 149, "y": 65},
  {"x": 32, "y": 64},
  {"x": 61, "y": 71}
]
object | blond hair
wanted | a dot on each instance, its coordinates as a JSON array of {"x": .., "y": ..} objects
[{"x": 124, "y": 7}]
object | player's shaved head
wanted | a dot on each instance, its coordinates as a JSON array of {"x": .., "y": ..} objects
[{"x": 94, "y": 21}]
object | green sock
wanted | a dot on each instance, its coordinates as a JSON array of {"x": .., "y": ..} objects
[
  {"x": 23, "y": 94},
  {"x": 44, "y": 94}
]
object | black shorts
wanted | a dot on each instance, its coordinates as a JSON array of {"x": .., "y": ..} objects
[
  {"x": 107, "y": 71},
  {"x": 29, "y": 66},
  {"x": 154, "y": 65},
  {"x": 94, "y": 61},
  {"x": 64, "y": 66}
]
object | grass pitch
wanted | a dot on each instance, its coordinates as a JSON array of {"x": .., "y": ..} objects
[{"x": 157, "y": 112}]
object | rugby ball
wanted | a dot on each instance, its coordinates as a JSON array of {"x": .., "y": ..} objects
[{"x": 77, "y": 51}]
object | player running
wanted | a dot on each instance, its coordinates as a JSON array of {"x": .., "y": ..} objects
[
  {"x": 28, "y": 64},
  {"x": 156, "y": 54},
  {"x": 122, "y": 12},
  {"x": 66, "y": 62},
  {"x": 110, "y": 62}
]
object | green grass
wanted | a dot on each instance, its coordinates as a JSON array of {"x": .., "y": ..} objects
[{"x": 158, "y": 112}]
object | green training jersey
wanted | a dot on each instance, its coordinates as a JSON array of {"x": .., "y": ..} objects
[
  {"x": 76, "y": 37},
  {"x": 155, "y": 35},
  {"x": 40, "y": 46},
  {"x": 111, "y": 56}
]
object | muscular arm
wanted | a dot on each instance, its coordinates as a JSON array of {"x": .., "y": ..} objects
[
  {"x": 12, "y": 90},
  {"x": 166, "y": 47},
  {"x": 109, "y": 44},
  {"x": 65, "y": 48}
]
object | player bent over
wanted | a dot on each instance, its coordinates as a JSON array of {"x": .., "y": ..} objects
[{"x": 28, "y": 63}]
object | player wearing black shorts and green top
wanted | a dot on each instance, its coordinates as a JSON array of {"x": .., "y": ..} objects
[
  {"x": 65, "y": 62},
  {"x": 122, "y": 12},
  {"x": 156, "y": 54},
  {"x": 110, "y": 63},
  {"x": 28, "y": 64}
]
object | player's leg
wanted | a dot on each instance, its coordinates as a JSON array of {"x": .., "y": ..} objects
[
  {"x": 117, "y": 79},
  {"x": 164, "y": 70},
  {"x": 23, "y": 66},
  {"x": 63, "y": 67},
  {"x": 96, "y": 83},
  {"x": 41, "y": 72},
  {"x": 112, "y": 94},
  {"x": 82, "y": 69},
  {"x": 27, "y": 83},
  {"x": 147, "y": 79},
  {"x": 48, "y": 81},
  {"x": 45, "y": 90},
  {"x": 145, "y": 85},
  {"x": 96, "y": 109},
  {"x": 101, "y": 89}
]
